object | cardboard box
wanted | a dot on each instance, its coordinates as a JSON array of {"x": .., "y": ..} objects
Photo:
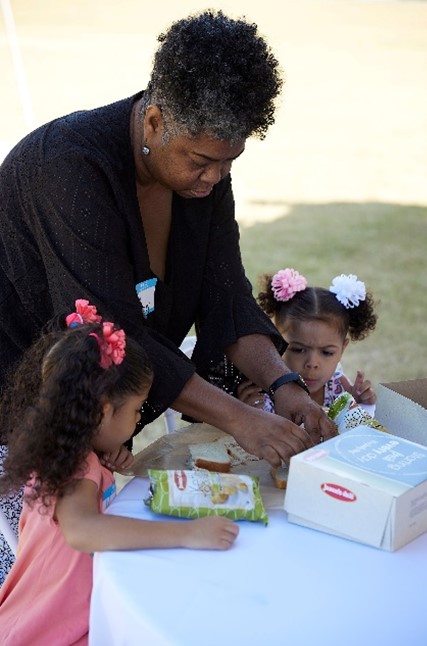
[
  {"x": 364, "y": 485},
  {"x": 402, "y": 409}
]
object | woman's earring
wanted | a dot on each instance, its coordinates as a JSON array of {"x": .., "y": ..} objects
[{"x": 145, "y": 150}]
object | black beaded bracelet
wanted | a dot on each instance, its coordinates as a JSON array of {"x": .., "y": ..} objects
[{"x": 294, "y": 377}]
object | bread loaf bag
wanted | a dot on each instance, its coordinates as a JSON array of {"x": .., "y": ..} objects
[{"x": 198, "y": 493}]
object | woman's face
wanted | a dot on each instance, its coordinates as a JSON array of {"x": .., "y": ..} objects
[
  {"x": 315, "y": 349},
  {"x": 189, "y": 166}
]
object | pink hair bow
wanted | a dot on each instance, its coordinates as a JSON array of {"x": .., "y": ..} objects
[
  {"x": 111, "y": 346},
  {"x": 286, "y": 283},
  {"x": 84, "y": 313}
]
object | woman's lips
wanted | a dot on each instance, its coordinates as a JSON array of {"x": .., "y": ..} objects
[{"x": 201, "y": 193}]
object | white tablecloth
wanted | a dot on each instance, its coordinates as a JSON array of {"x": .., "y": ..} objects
[{"x": 281, "y": 585}]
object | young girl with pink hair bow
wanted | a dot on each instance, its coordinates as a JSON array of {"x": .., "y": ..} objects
[
  {"x": 317, "y": 325},
  {"x": 76, "y": 396}
]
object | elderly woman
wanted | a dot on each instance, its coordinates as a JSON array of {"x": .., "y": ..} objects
[{"x": 130, "y": 206}]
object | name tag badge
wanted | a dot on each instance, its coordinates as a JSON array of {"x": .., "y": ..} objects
[{"x": 145, "y": 291}]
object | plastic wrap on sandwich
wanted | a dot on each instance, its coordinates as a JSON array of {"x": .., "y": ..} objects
[{"x": 347, "y": 414}]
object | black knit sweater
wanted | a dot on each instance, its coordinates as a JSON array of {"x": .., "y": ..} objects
[{"x": 70, "y": 228}]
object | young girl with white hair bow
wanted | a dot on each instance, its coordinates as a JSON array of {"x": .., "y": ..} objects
[{"x": 317, "y": 324}]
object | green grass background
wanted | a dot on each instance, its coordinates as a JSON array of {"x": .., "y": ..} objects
[{"x": 384, "y": 245}]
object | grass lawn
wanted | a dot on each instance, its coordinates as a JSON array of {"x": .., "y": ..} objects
[{"x": 384, "y": 245}]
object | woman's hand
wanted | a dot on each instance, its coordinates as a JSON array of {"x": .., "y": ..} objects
[
  {"x": 293, "y": 403},
  {"x": 361, "y": 389},
  {"x": 266, "y": 435},
  {"x": 306, "y": 412},
  {"x": 120, "y": 460},
  {"x": 299, "y": 423}
]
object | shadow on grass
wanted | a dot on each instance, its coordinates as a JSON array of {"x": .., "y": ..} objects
[{"x": 383, "y": 244}]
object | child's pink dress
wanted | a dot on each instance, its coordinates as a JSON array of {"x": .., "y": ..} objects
[{"x": 45, "y": 598}]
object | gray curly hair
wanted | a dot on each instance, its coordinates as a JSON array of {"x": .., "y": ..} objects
[{"x": 214, "y": 75}]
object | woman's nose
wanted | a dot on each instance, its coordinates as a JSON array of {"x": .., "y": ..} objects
[{"x": 211, "y": 174}]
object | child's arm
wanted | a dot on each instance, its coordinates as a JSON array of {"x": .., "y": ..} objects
[
  {"x": 87, "y": 530},
  {"x": 251, "y": 394}
]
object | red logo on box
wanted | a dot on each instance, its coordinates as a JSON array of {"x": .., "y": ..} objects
[
  {"x": 180, "y": 478},
  {"x": 338, "y": 492},
  {"x": 315, "y": 454}
]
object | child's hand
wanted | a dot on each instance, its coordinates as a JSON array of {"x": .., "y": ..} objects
[
  {"x": 120, "y": 460},
  {"x": 211, "y": 533},
  {"x": 361, "y": 389},
  {"x": 250, "y": 394}
]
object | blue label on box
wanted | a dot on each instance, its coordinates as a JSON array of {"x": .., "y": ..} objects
[{"x": 381, "y": 453}]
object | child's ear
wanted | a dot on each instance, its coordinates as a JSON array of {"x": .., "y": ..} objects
[
  {"x": 345, "y": 344},
  {"x": 107, "y": 412}
]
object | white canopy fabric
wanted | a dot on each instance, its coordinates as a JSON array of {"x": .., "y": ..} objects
[{"x": 18, "y": 66}]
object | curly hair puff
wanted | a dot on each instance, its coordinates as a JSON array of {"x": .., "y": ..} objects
[
  {"x": 53, "y": 406},
  {"x": 319, "y": 304},
  {"x": 214, "y": 75}
]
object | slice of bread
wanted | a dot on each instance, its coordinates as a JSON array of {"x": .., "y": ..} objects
[
  {"x": 280, "y": 477},
  {"x": 212, "y": 456},
  {"x": 237, "y": 453}
]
